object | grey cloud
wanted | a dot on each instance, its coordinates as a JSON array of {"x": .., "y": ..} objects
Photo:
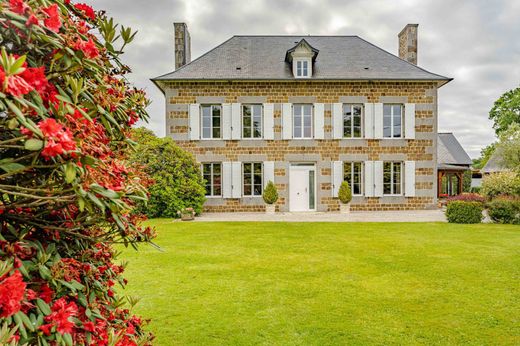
[{"x": 476, "y": 42}]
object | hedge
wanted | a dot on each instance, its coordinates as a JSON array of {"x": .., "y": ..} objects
[{"x": 464, "y": 212}]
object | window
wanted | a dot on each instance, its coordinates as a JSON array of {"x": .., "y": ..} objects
[
  {"x": 252, "y": 121},
  {"x": 392, "y": 178},
  {"x": 352, "y": 121},
  {"x": 392, "y": 121},
  {"x": 212, "y": 173},
  {"x": 302, "y": 121},
  {"x": 303, "y": 68},
  {"x": 211, "y": 120},
  {"x": 353, "y": 174},
  {"x": 252, "y": 172}
]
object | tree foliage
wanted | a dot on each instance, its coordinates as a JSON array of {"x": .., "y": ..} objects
[
  {"x": 177, "y": 182},
  {"x": 501, "y": 184},
  {"x": 485, "y": 155},
  {"x": 509, "y": 148},
  {"x": 66, "y": 191},
  {"x": 506, "y": 111}
]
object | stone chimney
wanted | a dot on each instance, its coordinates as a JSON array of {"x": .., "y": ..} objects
[
  {"x": 182, "y": 45},
  {"x": 408, "y": 43}
]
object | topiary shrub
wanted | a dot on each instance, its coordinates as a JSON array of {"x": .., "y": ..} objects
[
  {"x": 270, "y": 194},
  {"x": 503, "y": 183},
  {"x": 345, "y": 194},
  {"x": 505, "y": 210},
  {"x": 67, "y": 192},
  {"x": 177, "y": 181},
  {"x": 464, "y": 212}
]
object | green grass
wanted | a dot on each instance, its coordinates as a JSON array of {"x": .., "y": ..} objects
[{"x": 329, "y": 283}]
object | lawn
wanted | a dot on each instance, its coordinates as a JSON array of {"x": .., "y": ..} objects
[{"x": 329, "y": 283}]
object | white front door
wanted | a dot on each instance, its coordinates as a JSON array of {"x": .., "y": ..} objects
[{"x": 302, "y": 187}]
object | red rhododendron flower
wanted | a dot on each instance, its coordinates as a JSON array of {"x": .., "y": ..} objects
[
  {"x": 87, "y": 10},
  {"x": 50, "y": 127},
  {"x": 53, "y": 22},
  {"x": 61, "y": 314},
  {"x": 12, "y": 290},
  {"x": 17, "y": 86},
  {"x": 35, "y": 77},
  {"x": 58, "y": 138},
  {"x": 46, "y": 293},
  {"x": 18, "y": 6},
  {"x": 32, "y": 20},
  {"x": 88, "y": 48}
]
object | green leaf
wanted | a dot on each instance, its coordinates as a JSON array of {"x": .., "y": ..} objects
[
  {"x": 33, "y": 144},
  {"x": 43, "y": 306},
  {"x": 70, "y": 172},
  {"x": 11, "y": 167},
  {"x": 68, "y": 339}
]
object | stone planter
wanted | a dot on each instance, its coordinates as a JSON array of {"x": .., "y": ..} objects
[
  {"x": 270, "y": 209},
  {"x": 344, "y": 208},
  {"x": 188, "y": 217}
]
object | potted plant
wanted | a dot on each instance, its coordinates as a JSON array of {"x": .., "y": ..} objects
[
  {"x": 345, "y": 196},
  {"x": 186, "y": 214},
  {"x": 270, "y": 196}
]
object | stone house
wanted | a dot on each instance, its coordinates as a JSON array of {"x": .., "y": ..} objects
[{"x": 306, "y": 112}]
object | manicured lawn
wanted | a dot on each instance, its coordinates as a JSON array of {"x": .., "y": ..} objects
[{"x": 329, "y": 283}]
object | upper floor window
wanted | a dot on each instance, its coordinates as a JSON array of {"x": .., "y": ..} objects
[
  {"x": 392, "y": 178},
  {"x": 392, "y": 121},
  {"x": 303, "y": 68},
  {"x": 352, "y": 121},
  {"x": 302, "y": 121},
  {"x": 212, "y": 174},
  {"x": 211, "y": 121},
  {"x": 353, "y": 174},
  {"x": 252, "y": 178},
  {"x": 252, "y": 121}
]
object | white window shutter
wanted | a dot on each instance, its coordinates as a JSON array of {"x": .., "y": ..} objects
[
  {"x": 378, "y": 178},
  {"x": 369, "y": 178},
  {"x": 236, "y": 121},
  {"x": 409, "y": 178},
  {"x": 194, "y": 115},
  {"x": 287, "y": 121},
  {"x": 226, "y": 121},
  {"x": 409, "y": 120},
  {"x": 319, "y": 121},
  {"x": 268, "y": 172},
  {"x": 268, "y": 121},
  {"x": 378, "y": 120},
  {"x": 337, "y": 120},
  {"x": 226, "y": 180},
  {"x": 337, "y": 177},
  {"x": 369, "y": 120},
  {"x": 236, "y": 190}
]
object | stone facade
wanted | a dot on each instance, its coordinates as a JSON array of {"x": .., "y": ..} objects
[
  {"x": 408, "y": 43},
  {"x": 421, "y": 149}
]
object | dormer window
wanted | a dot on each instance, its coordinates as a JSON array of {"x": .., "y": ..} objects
[
  {"x": 303, "y": 68},
  {"x": 302, "y": 58}
]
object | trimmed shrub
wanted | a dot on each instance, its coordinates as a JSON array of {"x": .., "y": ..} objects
[
  {"x": 467, "y": 197},
  {"x": 345, "y": 194},
  {"x": 270, "y": 193},
  {"x": 503, "y": 183},
  {"x": 505, "y": 210},
  {"x": 464, "y": 212}
]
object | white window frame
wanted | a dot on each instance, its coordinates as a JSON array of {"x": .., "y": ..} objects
[
  {"x": 211, "y": 106},
  {"x": 361, "y": 120},
  {"x": 212, "y": 183},
  {"x": 362, "y": 173},
  {"x": 252, "y": 116},
  {"x": 302, "y": 106},
  {"x": 392, "y": 126},
  {"x": 299, "y": 68},
  {"x": 392, "y": 182},
  {"x": 252, "y": 179}
]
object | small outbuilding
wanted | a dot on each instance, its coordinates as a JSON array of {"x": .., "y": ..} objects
[{"x": 452, "y": 163}]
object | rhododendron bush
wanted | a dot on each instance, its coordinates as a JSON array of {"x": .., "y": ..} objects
[{"x": 66, "y": 191}]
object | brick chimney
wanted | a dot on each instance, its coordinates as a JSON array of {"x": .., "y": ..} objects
[
  {"x": 408, "y": 43},
  {"x": 182, "y": 45}
]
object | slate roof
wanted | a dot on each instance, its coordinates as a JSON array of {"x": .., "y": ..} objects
[
  {"x": 450, "y": 153},
  {"x": 494, "y": 164},
  {"x": 263, "y": 57}
]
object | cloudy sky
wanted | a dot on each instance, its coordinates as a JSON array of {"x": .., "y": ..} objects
[{"x": 474, "y": 41}]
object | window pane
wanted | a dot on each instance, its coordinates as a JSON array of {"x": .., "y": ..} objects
[
  {"x": 387, "y": 110},
  {"x": 217, "y": 190},
  {"x": 258, "y": 190},
  {"x": 347, "y": 121},
  {"x": 305, "y": 68},
  {"x": 216, "y": 168},
  {"x": 387, "y": 125},
  {"x": 307, "y": 110},
  {"x": 387, "y": 172},
  {"x": 297, "y": 121},
  {"x": 257, "y": 121}
]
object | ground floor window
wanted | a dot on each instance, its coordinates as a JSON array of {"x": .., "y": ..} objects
[
  {"x": 353, "y": 174},
  {"x": 212, "y": 173},
  {"x": 252, "y": 177},
  {"x": 392, "y": 178},
  {"x": 450, "y": 184}
]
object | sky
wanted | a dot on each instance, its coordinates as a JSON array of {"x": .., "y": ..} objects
[{"x": 476, "y": 42}]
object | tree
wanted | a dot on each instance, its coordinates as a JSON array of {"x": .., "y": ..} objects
[
  {"x": 345, "y": 194},
  {"x": 67, "y": 192},
  {"x": 509, "y": 147},
  {"x": 177, "y": 181},
  {"x": 270, "y": 194},
  {"x": 506, "y": 111},
  {"x": 485, "y": 154}
]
